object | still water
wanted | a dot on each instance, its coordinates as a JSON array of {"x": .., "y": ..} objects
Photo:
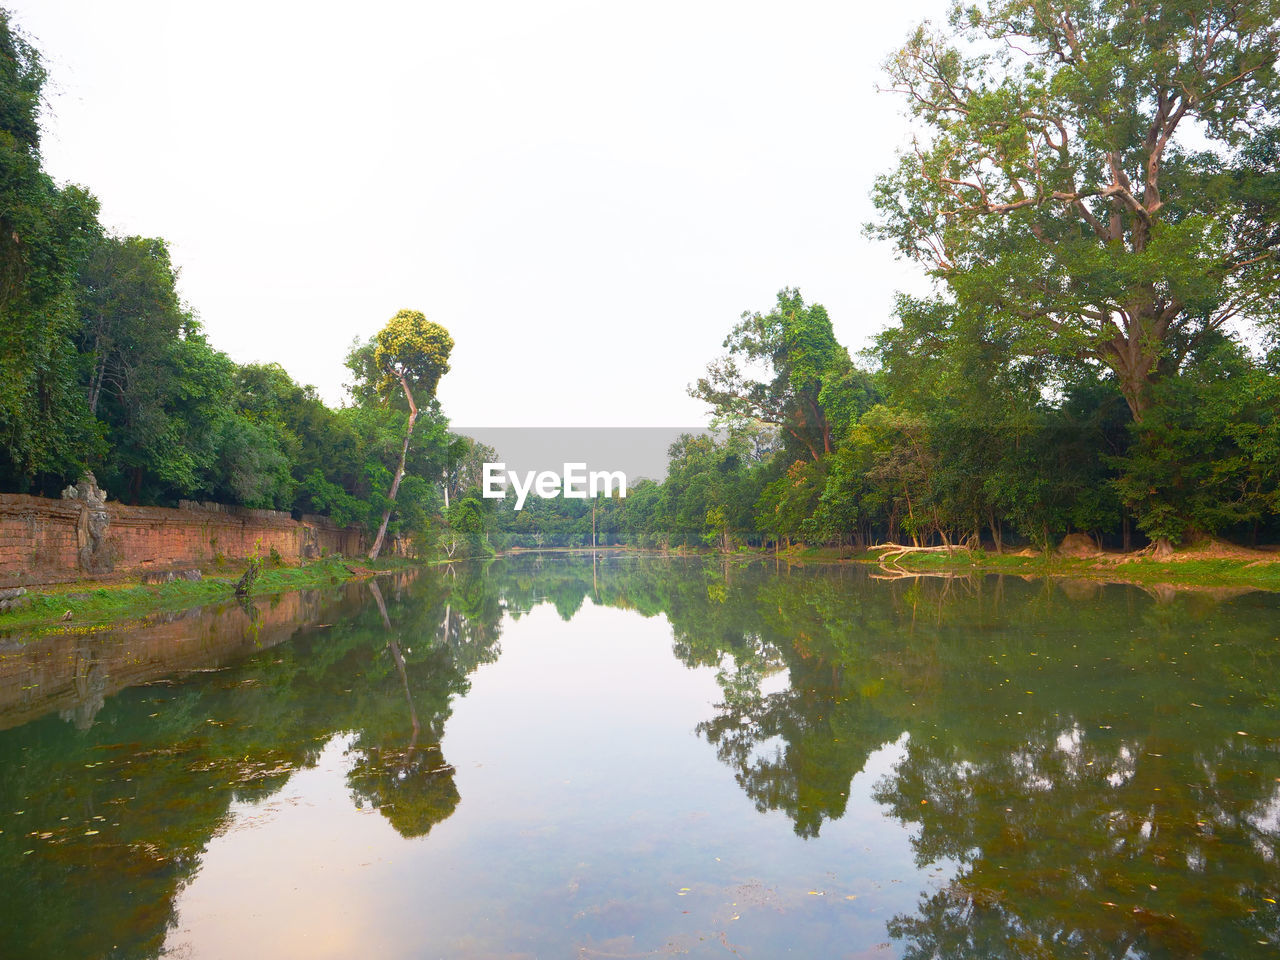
[{"x": 550, "y": 757}]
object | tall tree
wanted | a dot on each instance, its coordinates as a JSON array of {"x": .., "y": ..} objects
[
  {"x": 129, "y": 312},
  {"x": 1104, "y": 172},
  {"x": 410, "y": 353},
  {"x": 810, "y": 376},
  {"x": 44, "y": 425}
]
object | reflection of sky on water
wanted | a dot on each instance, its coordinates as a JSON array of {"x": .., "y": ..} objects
[
  {"x": 592, "y": 816},
  {"x": 1090, "y": 776}
]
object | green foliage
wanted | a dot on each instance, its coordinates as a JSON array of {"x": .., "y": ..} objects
[
  {"x": 1206, "y": 459},
  {"x": 409, "y": 353},
  {"x": 103, "y": 367},
  {"x": 1075, "y": 373},
  {"x": 467, "y": 518},
  {"x": 960, "y": 440},
  {"x": 44, "y": 233},
  {"x": 813, "y": 390},
  {"x": 1057, "y": 187}
]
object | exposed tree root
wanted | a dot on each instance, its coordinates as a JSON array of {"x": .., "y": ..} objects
[{"x": 896, "y": 551}]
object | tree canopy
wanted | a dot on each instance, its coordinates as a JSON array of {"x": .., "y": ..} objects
[
  {"x": 411, "y": 353},
  {"x": 1100, "y": 175}
]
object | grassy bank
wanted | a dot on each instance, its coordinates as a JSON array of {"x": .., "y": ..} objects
[
  {"x": 96, "y": 603},
  {"x": 1210, "y": 565},
  {"x": 1191, "y": 568}
]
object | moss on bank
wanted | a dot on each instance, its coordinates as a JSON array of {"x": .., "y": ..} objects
[
  {"x": 97, "y": 603},
  {"x": 1184, "y": 569}
]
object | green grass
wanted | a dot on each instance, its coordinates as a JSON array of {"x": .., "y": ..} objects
[
  {"x": 95, "y": 604},
  {"x": 1188, "y": 571}
]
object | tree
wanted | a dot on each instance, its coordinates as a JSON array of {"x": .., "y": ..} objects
[
  {"x": 811, "y": 376},
  {"x": 44, "y": 229},
  {"x": 1207, "y": 460},
  {"x": 464, "y": 465},
  {"x": 135, "y": 366},
  {"x": 1058, "y": 181},
  {"x": 129, "y": 311},
  {"x": 412, "y": 353}
]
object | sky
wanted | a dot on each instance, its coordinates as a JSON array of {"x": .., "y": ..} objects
[{"x": 586, "y": 195}]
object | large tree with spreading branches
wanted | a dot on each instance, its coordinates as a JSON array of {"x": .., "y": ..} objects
[{"x": 1100, "y": 179}]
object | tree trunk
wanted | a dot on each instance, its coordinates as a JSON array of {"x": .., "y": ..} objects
[
  {"x": 395, "y": 483},
  {"x": 95, "y": 381},
  {"x": 399, "y": 659},
  {"x": 1135, "y": 389},
  {"x": 1135, "y": 356}
]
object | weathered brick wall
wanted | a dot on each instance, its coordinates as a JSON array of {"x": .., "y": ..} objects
[
  {"x": 37, "y": 535},
  {"x": 40, "y": 539}
]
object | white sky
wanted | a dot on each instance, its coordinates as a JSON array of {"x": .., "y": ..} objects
[{"x": 587, "y": 195}]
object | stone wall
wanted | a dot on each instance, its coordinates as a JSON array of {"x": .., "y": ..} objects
[{"x": 46, "y": 541}]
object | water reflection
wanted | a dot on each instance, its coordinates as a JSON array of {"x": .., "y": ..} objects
[
  {"x": 1097, "y": 766},
  {"x": 409, "y": 784}
]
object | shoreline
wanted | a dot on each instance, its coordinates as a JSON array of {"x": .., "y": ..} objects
[
  {"x": 1190, "y": 568},
  {"x": 1200, "y": 566},
  {"x": 96, "y": 605}
]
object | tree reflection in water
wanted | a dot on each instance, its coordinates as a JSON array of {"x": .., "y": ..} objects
[
  {"x": 1103, "y": 768},
  {"x": 1100, "y": 763},
  {"x": 411, "y": 785}
]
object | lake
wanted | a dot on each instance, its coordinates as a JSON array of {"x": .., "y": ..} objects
[{"x": 561, "y": 756}]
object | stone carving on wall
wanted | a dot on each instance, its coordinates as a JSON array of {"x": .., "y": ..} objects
[{"x": 94, "y": 553}]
